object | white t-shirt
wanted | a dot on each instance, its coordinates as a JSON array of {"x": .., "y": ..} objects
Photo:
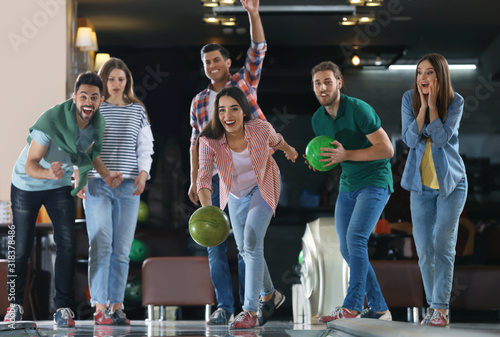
[{"x": 244, "y": 178}]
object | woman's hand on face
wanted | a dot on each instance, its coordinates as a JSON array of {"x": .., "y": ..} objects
[
  {"x": 423, "y": 98},
  {"x": 433, "y": 92}
]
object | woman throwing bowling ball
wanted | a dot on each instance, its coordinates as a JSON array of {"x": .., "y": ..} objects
[
  {"x": 250, "y": 186},
  {"x": 435, "y": 175}
]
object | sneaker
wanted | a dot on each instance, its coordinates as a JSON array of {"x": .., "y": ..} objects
[
  {"x": 220, "y": 317},
  {"x": 103, "y": 317},
  {"x": 427, "y": 317},
  {"x": 266, "y": 308},
  {"x": 64, "y": 317},
  {"x": 245, "y": 320},
  {"x": 14, "y": 313},
  {"x": 338, "y": 313},
  {"x": 119, "y": 317},
  {"x": 369, "y": 313},
  {"x": 439, "y": 319}
]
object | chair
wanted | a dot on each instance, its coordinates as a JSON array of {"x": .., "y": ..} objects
[
  {"x": 177, "y": 281},
  {"x": 401, "y": 285}
]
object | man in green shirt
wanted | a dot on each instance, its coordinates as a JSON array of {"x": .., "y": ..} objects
[{"x": 363, "y": 151}]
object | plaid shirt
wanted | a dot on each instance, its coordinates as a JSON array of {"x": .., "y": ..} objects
[{"x": 247, "y": 79}]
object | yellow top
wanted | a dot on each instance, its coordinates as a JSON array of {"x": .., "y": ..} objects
[{"x": 427, "y": 169}]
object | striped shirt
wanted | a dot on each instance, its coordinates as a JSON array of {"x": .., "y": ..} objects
[
  {"x": 247, "y": 79},
  {"x": 260, "y": 135},
  {"x": 122, "y": 150}
]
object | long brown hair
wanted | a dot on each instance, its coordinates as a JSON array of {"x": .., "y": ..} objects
[
  {"x": 445, "y": 92},
  {"x": 214, "y": 128},
  {"x": 128, "y": 92}
]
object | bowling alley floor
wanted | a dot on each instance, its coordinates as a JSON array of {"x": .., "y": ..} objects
[{"x": 341, "y": 328}]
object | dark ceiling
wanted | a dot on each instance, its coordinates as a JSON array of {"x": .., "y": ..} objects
[{"x": 458, "y": 29}]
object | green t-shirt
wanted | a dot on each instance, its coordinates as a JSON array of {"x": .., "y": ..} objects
[{"x": 355, "y": 119}]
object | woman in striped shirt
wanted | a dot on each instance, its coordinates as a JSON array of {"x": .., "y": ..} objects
[
  {"x": 112, "y": 213},
  {"x": 250, "y": 186}
]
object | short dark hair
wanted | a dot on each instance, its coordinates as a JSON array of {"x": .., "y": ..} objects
[
  {"x": 89, "y": 78},
  {"x": 212, "y": 47},
  {"x": 325, "y": 66}
]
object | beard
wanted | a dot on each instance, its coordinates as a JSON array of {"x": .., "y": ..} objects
[
  {"x": 326, "y": 101},
  {"x": 83, "y": 118}
]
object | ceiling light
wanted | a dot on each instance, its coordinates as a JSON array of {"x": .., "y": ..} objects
[
  {"x": 462, "y": 66},
  {"x": 356, "y": 60},
  {"x": 288, "y": 9},
  {"x": 211, "y": 20},
  {"x": 451, "y": 66},
  {"x": 228, "y": 21},
  {"x": 356, "y": 20},
  {"x": 378, "y": 61},
  {"x": 210, "y": 3},
  {"x": 370, "y": 3},
  {"x": 217, "y": 3},
  {"x": 348, "y": 21},
  {"x": 215, "y": 20}
]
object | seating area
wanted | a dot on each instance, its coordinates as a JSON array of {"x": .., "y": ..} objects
[
  {"x": 476, "y": 274},
  {"x": 177, "y": 281}
]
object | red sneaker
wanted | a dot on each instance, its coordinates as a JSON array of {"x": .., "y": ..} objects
[
  {"x": 245, "y": 320},
  {"x": 427, "y": 317},
  {"x": 14, "y": 313},
  {"x": 102, "y": 317},
  {"x": 338, "y": 313},
  {"x": 63, "y": 317},
  {"x": 439, "y": 319}
]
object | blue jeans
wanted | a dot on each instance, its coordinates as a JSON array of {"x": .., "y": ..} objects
[
  {"x": 60, "y": 206},
  {"x": 356, "y": 214},
  {"x": 219, "y": 266},
  {"x": 435, "y": 230},
  {"x": 111, "y": 220},
  {"x": 250, "y": 216}
]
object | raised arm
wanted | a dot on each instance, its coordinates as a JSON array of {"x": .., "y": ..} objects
[{"x": 256, "y": 28}]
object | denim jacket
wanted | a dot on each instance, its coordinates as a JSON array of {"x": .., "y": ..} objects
[{"x": 450, "y": 168}]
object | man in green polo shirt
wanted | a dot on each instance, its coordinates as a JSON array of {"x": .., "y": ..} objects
[{"x": 363, "y": 151}]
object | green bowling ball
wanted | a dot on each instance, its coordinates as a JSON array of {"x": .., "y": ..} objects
[
  {"x": 133, "y": 292},
  {"x": 138, "y": 251},
  {"x": 313, "y": 151},
  {"x": 209, "y": 226},
  {"x": 143, "y": 214}
]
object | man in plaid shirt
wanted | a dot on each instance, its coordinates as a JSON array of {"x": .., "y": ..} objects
[{"x": 216, "y": 63}]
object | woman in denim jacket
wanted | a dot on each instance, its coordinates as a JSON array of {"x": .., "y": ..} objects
[{"x": 435, "y": 176}]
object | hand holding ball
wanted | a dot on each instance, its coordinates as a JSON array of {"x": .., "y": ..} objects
[
  {"x": 313, "y": 151},
  {"x": 209, "y": 226}
]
